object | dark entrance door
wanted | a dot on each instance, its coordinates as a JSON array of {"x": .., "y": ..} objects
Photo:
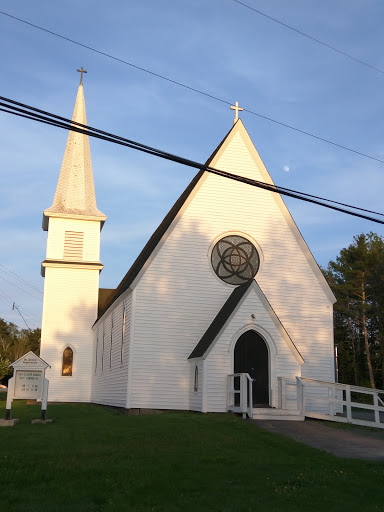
[{"x": 251, "y": 356}]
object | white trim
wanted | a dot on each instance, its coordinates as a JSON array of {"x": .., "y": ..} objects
[
  {"x": 131, "y": 350},
  {"x": 204, "y": 396},
  {"x": 86, "y": 265},
  {"x": 259, "y": 330}
]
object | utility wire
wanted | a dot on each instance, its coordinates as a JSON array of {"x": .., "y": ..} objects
[
  {"x": 6, "y": 299},
  {"x": 193, "y": 89},
  {"x": 345, "y": 54},
  {"x": 9, "y": 272},
  {"x": 15, "y": 285},
  {"x": 61, "y": 122}
]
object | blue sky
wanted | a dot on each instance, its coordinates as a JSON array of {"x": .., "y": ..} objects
[{"x": 219, "y": 47}]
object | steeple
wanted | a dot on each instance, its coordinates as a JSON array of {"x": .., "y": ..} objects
[
  {"x": 71, "y": 270},
  {"x": 75, "y": 191}
]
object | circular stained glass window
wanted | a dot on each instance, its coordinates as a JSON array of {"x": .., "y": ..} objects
[{"x": 235, "y": 259}]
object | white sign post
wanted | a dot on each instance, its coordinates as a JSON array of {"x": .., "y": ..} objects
[{"x": 28, "y": 382}]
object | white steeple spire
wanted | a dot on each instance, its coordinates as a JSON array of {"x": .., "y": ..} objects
[{"x": 75, "y": 192}]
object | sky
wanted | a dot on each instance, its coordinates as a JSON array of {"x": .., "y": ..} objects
[{"x": 216, "y": 46}]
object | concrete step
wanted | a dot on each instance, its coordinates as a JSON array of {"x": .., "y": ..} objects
[{"x": 268, "y": 413}]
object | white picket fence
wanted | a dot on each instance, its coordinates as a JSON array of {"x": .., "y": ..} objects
[
  {"x": 343, "y": 403},
  {"x": 318, "y": 399}
]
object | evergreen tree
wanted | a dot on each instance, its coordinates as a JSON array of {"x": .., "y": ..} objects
[{"x": 356, "y": 278}]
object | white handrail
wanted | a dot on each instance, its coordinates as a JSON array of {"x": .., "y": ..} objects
[
  {"x": 244, "y": 393},
  {"x": 316, "y": 397},
  {"x": 354, "y": 388}
]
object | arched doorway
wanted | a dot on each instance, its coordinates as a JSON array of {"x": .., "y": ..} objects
[{"x": 251, "y": 356}]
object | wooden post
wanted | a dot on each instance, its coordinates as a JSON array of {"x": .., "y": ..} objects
[
  {"x": 331, "y": 396},
  {"x": 279, "y": 393},
  {"x": 376, "y": 404},
  {"x": 348, "y": 400},
  {"x": 243, "y": 394},
  {"x": 300, "y": 395},
  {"x": 44, "y": 400},
  {"x": 10, "y": 394}
]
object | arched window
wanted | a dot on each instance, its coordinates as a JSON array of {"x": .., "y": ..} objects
[
  {"x": 196, "y": 381},
  {"x": 67, "y": 362}
]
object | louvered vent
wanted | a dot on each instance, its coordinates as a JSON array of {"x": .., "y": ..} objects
[{"x": 73, "y": 245}]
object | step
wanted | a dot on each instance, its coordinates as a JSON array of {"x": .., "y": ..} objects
[{"x": 269, "y": 413}]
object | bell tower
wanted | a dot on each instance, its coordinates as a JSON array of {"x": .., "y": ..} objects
[{"x": 71, "y": 270}]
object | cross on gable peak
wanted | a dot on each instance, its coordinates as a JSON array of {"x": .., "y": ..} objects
[{"x": 236, "y": 108}]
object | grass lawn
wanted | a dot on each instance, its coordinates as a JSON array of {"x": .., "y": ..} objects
[{"x": 94, "y": 459}]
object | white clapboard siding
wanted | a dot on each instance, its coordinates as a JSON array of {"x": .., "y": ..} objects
[
  {"x": 70, "y": 308},
  {"x": 178, "y": 295},
  {"x": 110, "y": 373},
  {"x": 57, "y": 236}
]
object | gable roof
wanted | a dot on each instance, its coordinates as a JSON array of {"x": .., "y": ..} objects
[
  {"x": 157, "y": 236},
  {"x": 220, "y": 321},
  {"x": 172, "y": 214}
]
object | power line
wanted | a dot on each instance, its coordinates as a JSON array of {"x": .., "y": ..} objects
[
  {"x": 12, "y": 305},
  {"x": 6, "y": 297},
  {"x": 35, "y": 114},
  {"x": 15, "y": 285},
  {"x": 4, "y": 301},
  {"x": 9, "y": 272},
  {"x": 345, "y": 54},
  {"x": 9, "y": 301},
  {"x": 193, "y": 89}
]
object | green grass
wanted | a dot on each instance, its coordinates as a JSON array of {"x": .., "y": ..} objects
[{"x": 94, "y": 459}]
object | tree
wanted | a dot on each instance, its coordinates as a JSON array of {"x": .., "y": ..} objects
[
  {"x": 14, "y": 343},
  {"x": 356, "y": 280}
]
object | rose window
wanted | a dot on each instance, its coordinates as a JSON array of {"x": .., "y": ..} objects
[{"x": 235, "y": 259}]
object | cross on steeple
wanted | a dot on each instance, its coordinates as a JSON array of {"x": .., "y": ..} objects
[
  {"x": 236, "y": 108},
  {"x": 81, "y": 70}
]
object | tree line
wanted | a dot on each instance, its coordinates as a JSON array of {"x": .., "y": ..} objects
[
  {"x": 14, "y": 343},
  {"x": 356, "y": 277}
]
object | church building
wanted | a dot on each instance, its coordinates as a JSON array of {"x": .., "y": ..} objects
[{"x": 225, "y": 286}]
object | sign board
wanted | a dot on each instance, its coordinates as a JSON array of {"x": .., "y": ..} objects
[{"x": 28, "y": 382}]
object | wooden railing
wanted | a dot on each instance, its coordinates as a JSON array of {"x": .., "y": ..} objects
[
  {"x": 240, "y": 398},
  {"x": 333, "y": 401}
]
